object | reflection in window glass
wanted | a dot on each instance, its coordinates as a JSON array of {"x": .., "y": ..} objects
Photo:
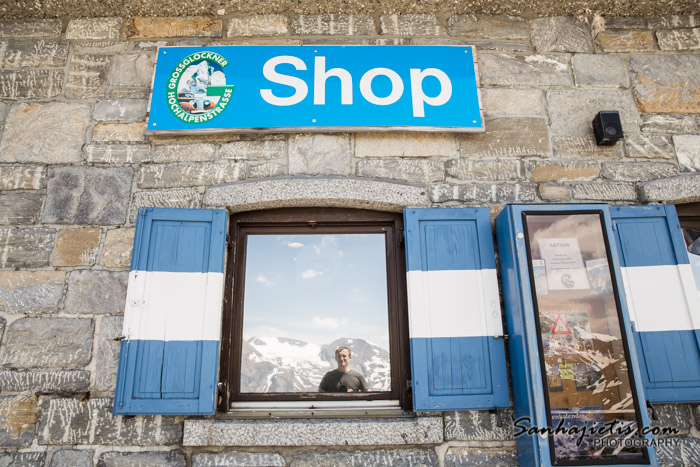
[
  {"x": 305, "y": 296},
  {"x": 586, "y": 371}
]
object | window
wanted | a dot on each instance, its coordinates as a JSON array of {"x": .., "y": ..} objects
[
  {"x": 437, "y": 296},
  {"x": 302, "y": 283}
]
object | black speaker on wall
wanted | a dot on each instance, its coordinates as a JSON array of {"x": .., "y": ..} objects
[{"x": 607, "y": 127}]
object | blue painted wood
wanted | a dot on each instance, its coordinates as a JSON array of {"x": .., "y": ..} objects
[
  {"x": 669, "y": 360},
  {"x": 523, "y": 347},
  {"x": 174, "y": 377},
  {"x": 125, "y": 402},
  {"x": 458, "y": 238},
  {"x": 179, "y": 240},
  {"x": 456, "y": 373},
  {"x": 459, "y": 373}
]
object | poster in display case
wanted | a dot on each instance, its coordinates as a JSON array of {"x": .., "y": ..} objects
[{"x": 569, "y": 338}]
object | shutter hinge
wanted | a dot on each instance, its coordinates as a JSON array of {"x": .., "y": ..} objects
[
  {"x": 228, "y": 241},
  {"x": 402, "y": 238},
  {"x": 499, "y": 420},
  {"x": 409, "y": 384},
  {"x": 220, "y": 387},
  {"x": 505, "y": 337},
  {"x": 654, "y": 415}
]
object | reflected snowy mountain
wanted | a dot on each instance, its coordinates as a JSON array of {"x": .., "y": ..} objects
[{"x": 278, "y": 364}]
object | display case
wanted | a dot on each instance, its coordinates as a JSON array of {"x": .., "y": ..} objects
[{"x": 577, "y": 392}]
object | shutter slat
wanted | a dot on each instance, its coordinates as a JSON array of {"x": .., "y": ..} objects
[
  {"x": 457, "y": 361},
  {"x": 169, "y": 358}
]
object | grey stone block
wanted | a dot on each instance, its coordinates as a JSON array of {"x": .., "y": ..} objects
[
  {"x": 87, "y": 76},
  {"x": 30, "y": 28},
  {"x": 402, "y": 169},
  {"x": 571, "y": 111},
  {"x": 411, "y": 25},
  {"x": 638, "y": 171},
  {"x": 483, "y": 192},
  {"x": 405, "y": 145},
  {"x": 679, "y": 39},
  {"x": 679, "y": 452},
  {"x": 655, "y": 81},
  {"x": 248, "y": 459},
  {"x": 94, "y": 28},
  {"x": 20, "y": 208},
  {"x": 523, "y": 70},
  {"x": 2, "y": 328},
  {"x": 552, "y": 192},
  {"x": 82, "y": 285},
  {"x": 120, "y": 110},
  {"x": 668, "y": 124},
  {"x": 31, "y": 84},
  {"x": 66, "y": 421},
  {"x": 605, "y": 192},
  {"x": 672, "y": 22},
  {"x": 48, "y": 343},
  {"x": 44, "y": 380},
  {"x": 599, "y": 70},
  {"x": 107, "y": 354},
  {"x": 619, "y": 22},
  {"x": 319, "y": 155},
  {"x": 253, "y": 150},
  {"x": 688, "y": 152},
  {"x": 22, "y": 459},
  {"x": 679, "y": 189},
  {"x": 554, "y": 171},
  {"x": 142, "y": 459},
  {"x": 266, "y": 170},
  {"x": 502, "y": 102},
  {"x": 72, "y": 458},
  {"x": 346, "y": 25},
  {"x": 500, "y": 457},
  {"x": 329, "y": 192},
  {"x": 99, "y": 47},
  {"x": 508, "y": 137},
  {"x": 24, "y": 177},
  {"x": 649, "y": 147},
  {"x": 672, "y": 416},
  {"x": 51, "y": 133},
  {"x": 31, "y": 291},
  {"x": 35, "y": 54},
  {"x": 561, "y": 34},
  {"x": 179, "y": 175},
  {"x": 412, "y": 457},
  {"x": 500, "y": 170},
  {"x": 17, "y": 421},
  {"x": 489, "y": 27},
  {"x": 478, "y": 426},
  {"x": 302, "y": 432},
  {"x": 258, "y": 25},
  {"x": 201, "y": 152},
  {"x": 118, "y": 153},
  {"x": 30, "y": 247},
  {"x": 132, "y": 70},
  {"x": 585, "y": 147},
  {"x": 164, "y": 199},
  {"x": 87, "y": 195}
]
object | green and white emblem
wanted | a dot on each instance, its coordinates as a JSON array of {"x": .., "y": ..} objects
[{"x": 197, "y": 90}]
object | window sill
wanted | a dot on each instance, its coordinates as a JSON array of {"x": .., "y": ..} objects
[
  {"x": 336, "y": 431},
  {"x": 316, "y": 409}
]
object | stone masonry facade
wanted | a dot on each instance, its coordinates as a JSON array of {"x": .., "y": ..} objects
[{"x": 75, "y": 166}]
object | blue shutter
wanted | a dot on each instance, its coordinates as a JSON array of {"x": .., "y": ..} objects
[
  {"x": 662, "y": 301},
  {"x": 169, "y": 356},
  {"x": 457, "y": 349}
]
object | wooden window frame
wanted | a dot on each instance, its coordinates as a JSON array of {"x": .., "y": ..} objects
[{"x": 314, "y": 220}]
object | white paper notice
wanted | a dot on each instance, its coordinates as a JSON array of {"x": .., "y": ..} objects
[{"x": 565, "y": 269}]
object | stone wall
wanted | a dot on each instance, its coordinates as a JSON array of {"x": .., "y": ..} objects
[{"x": 75, "y": 166}]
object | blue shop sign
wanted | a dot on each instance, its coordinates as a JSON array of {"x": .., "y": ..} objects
[{"x": 315, "y": 88}]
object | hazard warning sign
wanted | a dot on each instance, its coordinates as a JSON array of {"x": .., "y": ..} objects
[{"x": 560, "y": 327}]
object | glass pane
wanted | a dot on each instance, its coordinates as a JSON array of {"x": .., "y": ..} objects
[
  {"x": 306, "y": 296},
  {"x": 588, "y": 384}
]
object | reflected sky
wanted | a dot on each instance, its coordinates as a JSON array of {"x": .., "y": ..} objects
[{"x": 316, "y": 288}]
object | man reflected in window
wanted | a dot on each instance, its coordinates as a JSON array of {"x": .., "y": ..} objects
[{"x": 343, "y": 379}]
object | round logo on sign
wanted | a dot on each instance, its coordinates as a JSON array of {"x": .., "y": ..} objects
[
  {"x": 567, "y": 281},
  {"x": 197, "y": 91}
]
